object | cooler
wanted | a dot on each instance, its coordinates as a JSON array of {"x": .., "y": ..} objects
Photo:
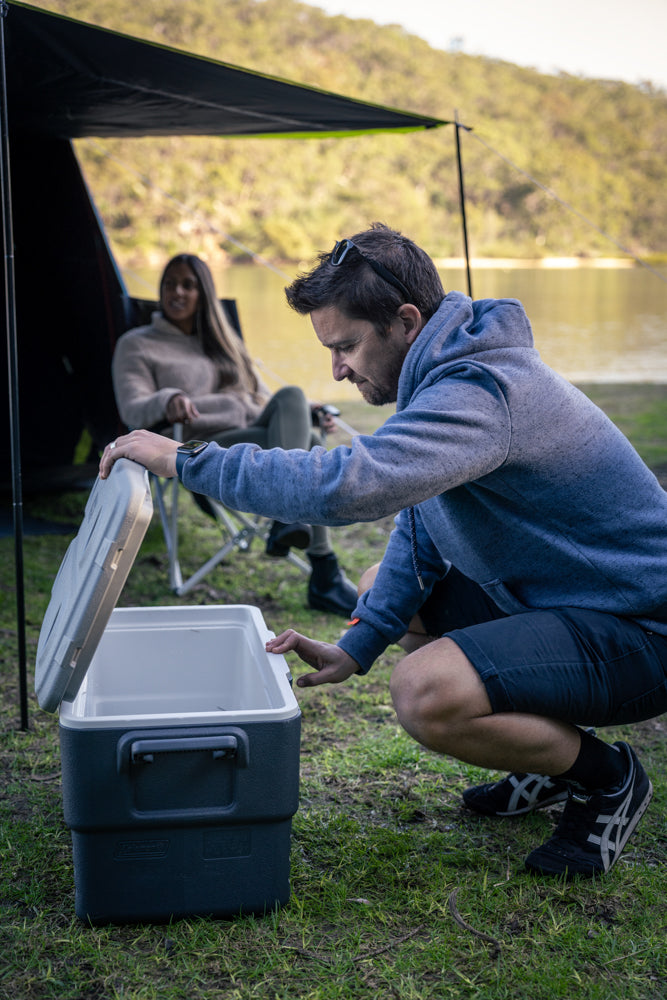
[{"x": 179, "y": 734}]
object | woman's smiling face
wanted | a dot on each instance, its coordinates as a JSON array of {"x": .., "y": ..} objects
[{"x": 179, "y": 296}]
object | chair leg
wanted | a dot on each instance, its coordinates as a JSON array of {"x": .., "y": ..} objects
[
  {"x": 299, "y": 562},
  {"x": 241, "y": 529},
  {"x": 169, "y": 521}
]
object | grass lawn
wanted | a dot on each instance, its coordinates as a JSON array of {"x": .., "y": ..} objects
[{"x": 397, "y": 891}]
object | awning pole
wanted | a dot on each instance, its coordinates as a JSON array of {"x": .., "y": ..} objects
[
  {"x": 12, "y": 363},
  {"x": 462, "y": 198}
]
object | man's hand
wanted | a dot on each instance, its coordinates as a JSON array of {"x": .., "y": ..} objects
[
  {"x": 155, "y": 452},
  {"x": 332, "y": 664}
]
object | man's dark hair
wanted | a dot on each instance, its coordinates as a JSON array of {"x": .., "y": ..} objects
[{"x": 358, "y": 291}]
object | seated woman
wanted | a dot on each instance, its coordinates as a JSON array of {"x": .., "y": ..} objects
[{"x": 190, "y": 366}]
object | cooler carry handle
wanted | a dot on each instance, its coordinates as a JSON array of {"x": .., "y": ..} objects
[{"x": 143, "y": 751}]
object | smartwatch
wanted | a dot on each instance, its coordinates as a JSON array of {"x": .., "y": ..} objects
[{"x": 186, "y": 451}]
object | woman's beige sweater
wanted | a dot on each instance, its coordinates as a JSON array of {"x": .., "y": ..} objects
[{"x": 153, "y": 363}]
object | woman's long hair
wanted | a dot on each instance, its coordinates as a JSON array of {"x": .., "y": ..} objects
[{"x": 217, "y": 336}]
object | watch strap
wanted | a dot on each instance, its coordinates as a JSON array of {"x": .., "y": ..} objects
[
  {"x": 181, "y": 459},
  {"x": 186, "y": 451}
]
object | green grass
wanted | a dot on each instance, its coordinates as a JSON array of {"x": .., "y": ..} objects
[{"x": 396, "y": 890}]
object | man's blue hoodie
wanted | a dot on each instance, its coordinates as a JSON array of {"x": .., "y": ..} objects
[{"x": 514, "y": 476}]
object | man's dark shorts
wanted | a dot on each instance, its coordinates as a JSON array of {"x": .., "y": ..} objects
[{"x": 580, "y": 666}]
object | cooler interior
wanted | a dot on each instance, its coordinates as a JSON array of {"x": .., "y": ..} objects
[{"x": 161, "y": 666}]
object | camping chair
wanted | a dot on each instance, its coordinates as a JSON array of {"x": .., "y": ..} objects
[{"x": 238, "y": 528}]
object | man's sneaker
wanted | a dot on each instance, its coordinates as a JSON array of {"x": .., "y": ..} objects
[
  {"x": 515, "y": 795},
  {"x": 595, "y": 828}
]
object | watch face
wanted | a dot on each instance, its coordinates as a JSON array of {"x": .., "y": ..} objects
[{"x": 192, "y": 447}]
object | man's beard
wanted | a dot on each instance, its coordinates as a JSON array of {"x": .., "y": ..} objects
[{"x": 380, "y": 395}]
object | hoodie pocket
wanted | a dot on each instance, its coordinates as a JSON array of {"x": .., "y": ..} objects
[{"x": 503, "y": 597}]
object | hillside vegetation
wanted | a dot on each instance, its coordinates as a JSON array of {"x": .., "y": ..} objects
[{"x": 600, "y": 146}]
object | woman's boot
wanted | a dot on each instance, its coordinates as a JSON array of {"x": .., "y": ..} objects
[{"x": 328, "y": 588}]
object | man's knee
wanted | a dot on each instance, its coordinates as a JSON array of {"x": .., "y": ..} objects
[
  {"x": 422, "y": 686},
  {"x": 435, "y": 690}
]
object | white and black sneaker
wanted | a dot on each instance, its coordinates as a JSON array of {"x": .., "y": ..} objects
[
  {"x": 595, "y": 827},
  {"x": 515, "y": 795}
]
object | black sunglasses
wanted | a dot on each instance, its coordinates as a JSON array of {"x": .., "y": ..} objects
[{"x": 343, "y": 247}]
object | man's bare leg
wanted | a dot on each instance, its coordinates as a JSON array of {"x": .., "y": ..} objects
[{"x": 441, "y": 701}]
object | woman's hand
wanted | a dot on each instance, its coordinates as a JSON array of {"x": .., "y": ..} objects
[
  {"x": 181, "y": 410},
  {"x": 154, "y": 451},
  {"x": 331, "y": 663},
  {"x": 325, "y": 416}
]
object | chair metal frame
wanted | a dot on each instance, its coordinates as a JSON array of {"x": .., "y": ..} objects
[{"x": 241, "y": 529}]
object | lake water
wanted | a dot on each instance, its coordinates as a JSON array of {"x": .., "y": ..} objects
[{"x": 592, "y": 324}]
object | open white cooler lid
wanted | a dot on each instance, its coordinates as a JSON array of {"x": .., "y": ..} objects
[{"x": 90, "y": 579}]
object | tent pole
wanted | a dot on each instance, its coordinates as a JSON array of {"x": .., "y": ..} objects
[
  {"x": 462, "y": 199},
  {"x": 12, "y": 362}
]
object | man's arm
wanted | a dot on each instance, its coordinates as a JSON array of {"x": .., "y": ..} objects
[{"x": 415, "y": 455}]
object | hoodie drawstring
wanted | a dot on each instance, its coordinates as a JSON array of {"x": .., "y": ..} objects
[{"x": 413, "y": 545}]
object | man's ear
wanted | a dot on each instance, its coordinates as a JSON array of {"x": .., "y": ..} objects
[{"x": 412, "y": 320}]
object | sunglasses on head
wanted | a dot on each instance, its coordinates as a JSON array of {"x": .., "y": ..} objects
[{"x": 343, "y": 247}]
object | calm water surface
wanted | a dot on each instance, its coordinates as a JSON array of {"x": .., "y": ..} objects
[{"x": 590, "y": 324}]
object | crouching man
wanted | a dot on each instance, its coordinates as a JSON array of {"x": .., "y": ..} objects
[{"x": 526, "y": 575}]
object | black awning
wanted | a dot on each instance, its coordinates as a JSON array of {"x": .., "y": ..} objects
[
  {"x": 68, "y": 79},
  {"x": 65, "y": 80}
]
